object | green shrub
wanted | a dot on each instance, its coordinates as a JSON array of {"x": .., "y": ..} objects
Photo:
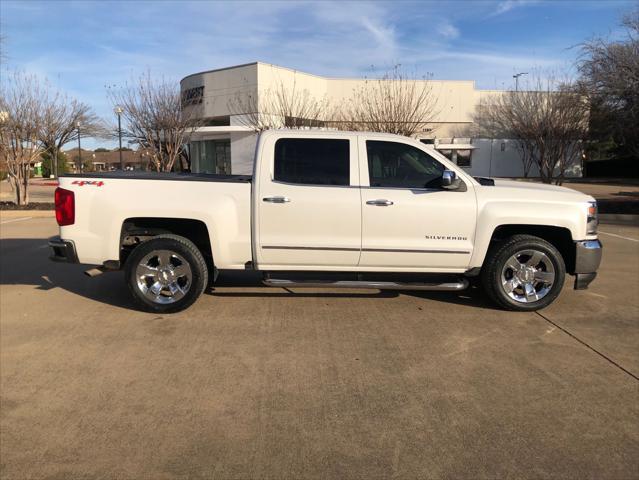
[
  {"x": 47, "y": 162},
  {"x": 87, "y": 165}
]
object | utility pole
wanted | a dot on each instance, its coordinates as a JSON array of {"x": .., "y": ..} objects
[
  {"x": 118, "y": 111},
  {"x": 516, "y": 77},
  {"x": 79, "y": 166}
]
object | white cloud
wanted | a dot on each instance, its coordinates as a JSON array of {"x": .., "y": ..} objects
[
  {"x": 508, "y": 5},
  {"x": 384, "y": 35},
  {"x": 499, "y": 59},
  {"x": 447, "y": 30}
]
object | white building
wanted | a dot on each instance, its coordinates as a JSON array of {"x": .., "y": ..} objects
[{"x": 226, "y": 145}]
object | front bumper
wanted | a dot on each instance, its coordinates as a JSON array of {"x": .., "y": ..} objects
[
  {"x": 587, "y": 260},
  {"x": 62, "y": 250}
]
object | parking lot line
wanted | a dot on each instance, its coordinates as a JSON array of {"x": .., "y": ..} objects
[
  {"x": 15, "y": 220},
  {"x": 619, "y": 236},
  {"x": 587, "y": 345}
]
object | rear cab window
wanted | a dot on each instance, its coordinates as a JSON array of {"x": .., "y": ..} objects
[{"x": 312, "y": 161}]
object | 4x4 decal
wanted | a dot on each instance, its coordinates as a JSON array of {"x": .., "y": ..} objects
[{"x": 81, "y": 183}]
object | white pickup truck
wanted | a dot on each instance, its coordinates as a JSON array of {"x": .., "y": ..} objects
[{"x": 330, "y": 209}]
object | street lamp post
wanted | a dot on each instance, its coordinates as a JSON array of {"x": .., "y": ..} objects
[
  {"x": 118, "y": 111},
  {"x": 516, "y": 77},
  {"x": 54, "y": 163},
  {"x": 79, "y": 166}
]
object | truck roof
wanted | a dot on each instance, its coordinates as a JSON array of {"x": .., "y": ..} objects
[{"x": 333, "y": 133}]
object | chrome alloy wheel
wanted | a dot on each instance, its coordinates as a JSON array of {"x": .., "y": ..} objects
[
  {"x": 164, "y": 276},
  {"x": 528, "y": 276}
]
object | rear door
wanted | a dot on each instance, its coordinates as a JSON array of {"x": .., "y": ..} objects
[
  {"x": 308, "y": 205},
  {"x": 408, "y": 221}
]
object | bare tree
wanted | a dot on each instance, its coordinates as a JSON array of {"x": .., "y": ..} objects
[
  {"x": 63, "y": 119},
  {"x": 155, "y": 119},
  {"x": 281, "y": 107},
  {"x": 396, "y": 103},
  {"x": 548, "y": 121},
  {"x": 609, "y": 76},
  {"x": 496, "y": 117},
  {"x": 245, "y": 107},
  {"x": 21, "y": 108}
]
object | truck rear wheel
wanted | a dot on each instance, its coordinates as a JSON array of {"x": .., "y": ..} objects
[
  {"x": 166, "y": 274},
  {"x": 523, "y": 273}
]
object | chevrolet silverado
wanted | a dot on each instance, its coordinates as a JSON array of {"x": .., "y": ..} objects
[{"x": 330, "y": 209}]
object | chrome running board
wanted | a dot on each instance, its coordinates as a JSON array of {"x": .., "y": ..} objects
[{"x": 449, "y": 287}]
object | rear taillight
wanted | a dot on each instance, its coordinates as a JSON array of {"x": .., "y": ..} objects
[{"x": 64, "y": 207}]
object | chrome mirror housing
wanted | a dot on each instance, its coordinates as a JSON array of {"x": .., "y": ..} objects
[
  {"x": 448, "y": 178},
  {"x": 450, "y": 181}
]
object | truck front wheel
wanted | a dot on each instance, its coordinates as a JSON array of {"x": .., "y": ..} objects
[
  {"x": 523, "y": 273},
  {"x": 166, "y": 274}
]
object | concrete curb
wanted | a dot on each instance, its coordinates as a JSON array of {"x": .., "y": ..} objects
[
  {"x": 44, "y": 184},
  {"x": 26, "y": 213},
  {"x": 618, "y": 219}
]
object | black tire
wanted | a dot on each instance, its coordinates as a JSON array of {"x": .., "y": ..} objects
[
  {"x": 180, "y": 249},
  {"x": 495, "y": 263}
]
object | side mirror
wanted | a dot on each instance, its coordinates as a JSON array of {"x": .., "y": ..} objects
[
  {"x": 451, "y": 182},
  {"x": 448, "y": 177}
]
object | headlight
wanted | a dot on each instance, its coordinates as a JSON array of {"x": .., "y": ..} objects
[{"x": 593, "y": 219}]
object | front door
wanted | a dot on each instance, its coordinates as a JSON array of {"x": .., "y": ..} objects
[
  {"x": 309, "y": 206},
  {"x": 408, "y": 220}
]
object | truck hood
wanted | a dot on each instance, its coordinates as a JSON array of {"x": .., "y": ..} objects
[{"x": 546, "y": 191}]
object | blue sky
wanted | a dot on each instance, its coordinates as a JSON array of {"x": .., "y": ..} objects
[{"x": 83, "y": 46}]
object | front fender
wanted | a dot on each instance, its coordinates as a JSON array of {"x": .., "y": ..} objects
[{"x": 493, "y": 215}]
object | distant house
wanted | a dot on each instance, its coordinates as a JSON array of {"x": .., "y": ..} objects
[{"x": 107, "y": 161}]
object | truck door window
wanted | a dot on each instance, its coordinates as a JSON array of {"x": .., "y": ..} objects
[
  {"x": 311, "y": 161},
  {"x": 398, "y": 165}
]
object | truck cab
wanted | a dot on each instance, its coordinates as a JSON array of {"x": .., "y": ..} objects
[{"x": 359, "y": 202}]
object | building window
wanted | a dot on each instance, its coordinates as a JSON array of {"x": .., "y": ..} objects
[
  {"x": 310, "y": 161},
  {"x": 224, "y": 121},
  {"x": 461, "y": 158},
  {"x": 296, "y": 122},
  {"x": 211, "y": 156},
  {"x": 464, "y": 158},
  {"x": 447, "y": 153}
]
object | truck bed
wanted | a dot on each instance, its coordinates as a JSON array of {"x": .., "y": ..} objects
[
  {"x": 105, "y": 202},
  {"x": 175, "y": 176}
]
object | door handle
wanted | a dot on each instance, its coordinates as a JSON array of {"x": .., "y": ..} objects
[
  {"x": 380, "y": 203},
  {"x": 276, "y": 199}
]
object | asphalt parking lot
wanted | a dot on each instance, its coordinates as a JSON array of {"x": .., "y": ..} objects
[{"x": 256, "y": 382}]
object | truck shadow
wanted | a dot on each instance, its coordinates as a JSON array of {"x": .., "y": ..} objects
[{"x": 25, "y": 261}]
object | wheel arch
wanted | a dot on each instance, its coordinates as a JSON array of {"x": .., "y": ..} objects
[
  {"x": 559, "y": 237},
  {"x": 135, "y": 230}
]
